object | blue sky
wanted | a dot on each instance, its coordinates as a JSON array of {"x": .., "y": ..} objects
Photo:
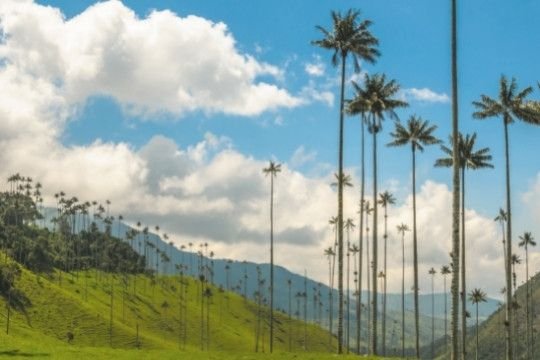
[
  {"x": 173, "y": 161},
  {"x": 495, "y": 38}
]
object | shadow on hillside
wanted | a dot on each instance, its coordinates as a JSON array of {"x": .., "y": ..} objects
[{"x": 18, "y": 353}]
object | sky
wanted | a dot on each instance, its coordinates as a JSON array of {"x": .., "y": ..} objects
[{"x": 171, "y": 109}]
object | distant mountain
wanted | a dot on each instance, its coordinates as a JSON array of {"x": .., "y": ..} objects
[{"x": 241, "y": 277}]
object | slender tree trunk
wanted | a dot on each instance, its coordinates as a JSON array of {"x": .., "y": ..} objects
[
  {"x": 403, "y": 295},
  {"x": 509, "y": 314},
  {"x": 432, "y": 316},
  {"x": 340, "y": 209},
  {"x": 455, "y": 186},
  {"x": 463, "y": 271},
  {"x": 368, "y": 285},
  {"x": 477, "y": 331},
  {"x": 527, "y": 301},
  {"x": 415, "y": 258},
  {"x": 384, "y": 282},
  {"x": 374, "y": 349},
  {"x": 348, "y": 292},
  {"x": 361, "y": 234},
  {"x": 271, "y": 262},
  {"x": 445, "y": 316},
  {"x": 290, "y": 320}
]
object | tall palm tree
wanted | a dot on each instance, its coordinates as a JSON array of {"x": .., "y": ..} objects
[
  {"x": 381, "y": 101},
  {"x": 349, "y": 226},
  {"x": 349, "y": 36},
  {"x": 477, "y": 296},
  {"x": 272, "y": 170},
  {"x": 511, "y": 105},
  {"x": 385, "y": 199},
  {"x": 368, "y": 210},
  {"x": 354, "y": 250},
  {"x": 402, "y": 229},
  {"x": 468, "y": 159},
  {"x": 417, "y": 133},
  {"x": 333, "y": 222},
  {"x": 526, "y": 241},
  {"x": 455, "y": 184},
  {"x": 445, "y": 270},
  {"x": 356, "y": 106},
  {"x": 432, "y": 272},
  {"x": 330, "y": 253}
]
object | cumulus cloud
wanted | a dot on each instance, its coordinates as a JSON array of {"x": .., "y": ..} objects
[
  {"x": 316, "y": 68},
  {"x": 425, "y": 95},
  {"x": 162, "y": 63}
]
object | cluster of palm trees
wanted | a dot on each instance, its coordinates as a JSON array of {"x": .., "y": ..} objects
[{"x": 375, "y": 100}]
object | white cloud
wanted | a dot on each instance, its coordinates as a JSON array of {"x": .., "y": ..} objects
[
  {"x": 425, "y": 95},
  {"x": 311, "y": 93},
  {"x": 301, "y": 157},
  {"x": 162, "y": 63},
  {"x": 316, "y": 68}
]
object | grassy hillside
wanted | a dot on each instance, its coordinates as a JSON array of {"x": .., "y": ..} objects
[
  {"x": 492, "y": 331},
  {"x": 75, "y": 310}
]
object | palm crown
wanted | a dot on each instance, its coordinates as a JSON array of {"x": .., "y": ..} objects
[
  {"x": 469, "y": 157},
  {"x": 417, "y": 132},
  {"x": 386, "y": 198},
  {"x": 349, "y": 36},
  {"x": 526, "y": 240},
  {"x": 511, "y": 104},
  {"x": 272, "y": 169}
]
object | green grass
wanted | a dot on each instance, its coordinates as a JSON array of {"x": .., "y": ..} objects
[{"x": 80, "y": 304}]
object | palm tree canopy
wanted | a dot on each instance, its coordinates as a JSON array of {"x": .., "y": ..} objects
[
  {"x": 378, "y": 97},
  {"x": 469, "y": 157},
  {"x": 349, "y": 224},
  {"x": 432, "y": 271},
  {"x": 527, "y": 240},
  {"x": 501, "y": 217},
  {"x": 329, "y": 252},
  {"x": 349, "y": 35},
  {"x": 418, "y": 132},
  {"x": 516, "y": 259},
  {"x": 386, "y": 198},
  {"x": 477, "y": 295},
  {"x": 511, "y": 104},
  {"x": 344, "y": 179},
  {"x": 402, "y": 228},
  {"x": 445, "y": 270},
  {"x": 272, "y": 169}
]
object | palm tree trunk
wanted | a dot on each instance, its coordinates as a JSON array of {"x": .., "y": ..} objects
[
  {"x": 477, "y": 331},
  {"x": 348, "y": 292},
  {"x": 361, "y": 235},
  {"x": 271, "y": 262},
  {"x": 340, "y": 209},
  {"x": 384, "y": 282},
  {"x": 432, "y": 316},
  {"x": 368, "y": 283},
  {"x": 509, "y": 315},
  {"x": 455, "y": 186},
  {"x": 463, "y": 270},
  {"x": 445, "y": 316},
  {"x": 403, "y": 295},
  {"x": 527, "y": 300},
  {"x": 374, "y": 260},
  {"x": 415, "y": 258}
]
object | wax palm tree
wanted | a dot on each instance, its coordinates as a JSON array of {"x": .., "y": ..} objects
[
  {"x": 349, "y": 226},
  {"x": 349, "y": 36},
  {"x": 469, "y": 158},
  {"x": 359, "y": 106},
  {"x": 511, "y": 105},
  {"x": 476, "y": 297},
  {"x": 333, "y": 222},
  {"x": 455, "y": 184},
  {"x": 385, "y": 199},
  {"x": 417, "y": 133},
  {"x": 402, "y": 229},
  {"x": 331, "y": 255},
  {"x": 526, "y": 241},
  {"x": 380, "y": 102},
  {"x": 272, "y": 170},
  {"x": 432, "y": 272},
  {"x": 368, "y": 210},
  {"x": 354, "y": 250},
  {"x": 445, "y": 270}
]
